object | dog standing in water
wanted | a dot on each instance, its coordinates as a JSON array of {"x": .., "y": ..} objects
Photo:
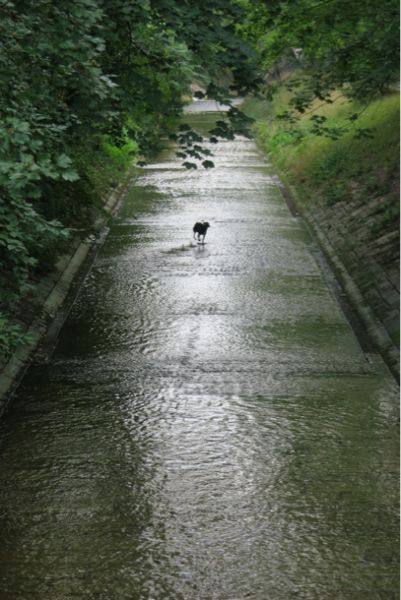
[{"x": 200, "y": 230}]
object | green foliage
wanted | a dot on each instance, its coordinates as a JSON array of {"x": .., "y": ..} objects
[
  {"x": 335, "y": 45},
  {"x": 11, "y": 336},
  {"x": 23, "y": 232},
  {"x": 122, "y": 156}
]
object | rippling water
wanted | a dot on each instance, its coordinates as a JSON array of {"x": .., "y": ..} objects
[{"x": 208, "y": 427}]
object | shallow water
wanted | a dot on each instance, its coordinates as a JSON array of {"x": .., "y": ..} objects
[{"x": 208, "y": 426}]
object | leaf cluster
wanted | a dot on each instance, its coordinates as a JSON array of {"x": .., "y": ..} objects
[{"x": 335, "y": 44}]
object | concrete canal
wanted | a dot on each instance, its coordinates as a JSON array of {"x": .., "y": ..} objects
[{"x": 208, "y": 426}]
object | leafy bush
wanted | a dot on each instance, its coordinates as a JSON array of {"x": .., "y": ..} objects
[
  {"x": 11, "y": 336},
  {"x": 23, "y": 235}
]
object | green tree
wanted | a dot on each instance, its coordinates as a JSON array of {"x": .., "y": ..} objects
[{"x": 352, "y": 46}]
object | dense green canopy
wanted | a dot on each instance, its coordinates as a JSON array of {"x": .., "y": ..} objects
[{"x": 339, "y": 44}]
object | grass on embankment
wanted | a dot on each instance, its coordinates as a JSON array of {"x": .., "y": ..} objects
[{"x": 330, "y": 170}]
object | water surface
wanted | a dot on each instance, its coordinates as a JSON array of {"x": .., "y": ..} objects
[{"x": 208, "y": 426}]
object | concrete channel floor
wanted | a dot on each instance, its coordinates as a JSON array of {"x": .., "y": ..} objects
[{"x": 208, "y": 426}]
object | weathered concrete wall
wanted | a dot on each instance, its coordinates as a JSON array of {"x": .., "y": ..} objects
[
  {"x": 372, "y": 261},
  {"x": 365, "y": 262}
]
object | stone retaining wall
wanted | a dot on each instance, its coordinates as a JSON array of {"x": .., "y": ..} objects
[
  {"x": 367, "y": 265},
  {"x": 372, "y": 262}
]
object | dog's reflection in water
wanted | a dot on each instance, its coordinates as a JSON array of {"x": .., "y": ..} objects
[{"x": 200, "y": 251}]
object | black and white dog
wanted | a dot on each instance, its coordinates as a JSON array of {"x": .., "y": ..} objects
[{"x": 200, "y": 230}]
